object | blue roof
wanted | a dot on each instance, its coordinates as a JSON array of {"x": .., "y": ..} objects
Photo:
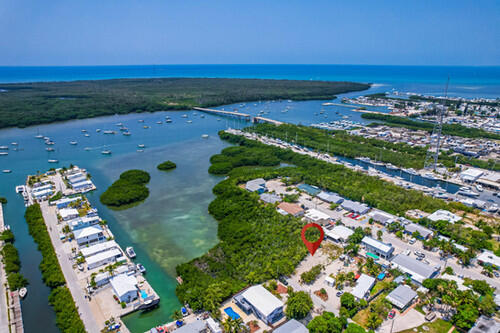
[{"x": 312, "y": 190}]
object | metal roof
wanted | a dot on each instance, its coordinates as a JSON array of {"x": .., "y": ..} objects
[
  {"x": 417, "y": 269},
  {"x": 383, "y": 247},
  {"x": 355, "y": 206},
  {"x": 261, "y": 299},
  {"x": 401, "y": 296},
  {"x": 330, "y": 197},
  {"x": 412, "y": 227},
  {"x": 291, "y": 326},
  {"x": 364, "y": 284}
]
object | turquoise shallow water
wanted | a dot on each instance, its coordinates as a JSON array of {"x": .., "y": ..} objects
[{"x": 173, "y": 224}]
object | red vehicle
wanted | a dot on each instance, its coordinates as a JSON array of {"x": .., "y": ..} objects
[{"x": 392, "y": 314}]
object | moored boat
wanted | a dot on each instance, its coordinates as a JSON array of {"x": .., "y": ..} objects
[
  {"x": 22, "y": 292},
  {"x": 130, "y": 252},
  {"x": 53, "y": 161},
  {"x": 141, "y": 268}
]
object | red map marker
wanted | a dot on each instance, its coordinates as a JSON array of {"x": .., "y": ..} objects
[{"x": 312, "y": 246}]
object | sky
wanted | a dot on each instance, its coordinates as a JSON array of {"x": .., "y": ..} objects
[{"x": 125, "y": 32}]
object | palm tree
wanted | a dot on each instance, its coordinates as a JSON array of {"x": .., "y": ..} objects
[{"x": 177, "y": 315}]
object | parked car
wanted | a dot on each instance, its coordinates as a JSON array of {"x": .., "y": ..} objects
[
  {"x": 80, "y": 267},
  {"x": 412, "y": 241},
  {"x": 391, "y": 314},
  {"x": 338, "y": 294},
  {"x": 430, "y": 316},
  {"x": 283, "y": 280},
  {"x": 419, "y": 258},
  {"x": 496, "y": 274}
]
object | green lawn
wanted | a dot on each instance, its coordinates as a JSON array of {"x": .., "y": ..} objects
[{"x": 438, "y": 326}]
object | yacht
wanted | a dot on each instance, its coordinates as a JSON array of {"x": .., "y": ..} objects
[
  {"x": 53, "y": 161},
  {"x": 86, "y": 135},
  {"x": 141, "y": 145},
  {"x": 479, "y": 188},
  {"x": 109, "y": 132},
  {"x": 98, "y": 130},
  {"x": 130, "y": 252},
  {"x": 391, "y": 167},
  {"x": 22, "y": 292},
  {"x": 73, "y": 143},
  {"x": 3, "y": 153},
  {"x": 106, "y": 152},
  {"x": 204, "y": 136},
  {"x": 6, "y": 171},
  {"x": 411, "y": 171},
  {"x": 493, "y": 208},
  {"x": 4, "y": 148},
  {"x": 141, "y": 268},
  {"x": 184, "y": 116},
  {"x": 39, "y": 136},
  {"x": 429, "y": 175},
  {"x": 168, "y": 120},
  {"x": 49, "y": 149},
  {"x": 127, "y": 133},
  {"x": 189, "y": 121},
  {"x": 468, "y": 193}
]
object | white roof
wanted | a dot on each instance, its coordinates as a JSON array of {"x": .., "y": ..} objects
[
  {"x": 329, "y": 279},
  {"x": 41, "y": 188},
  {"x": 339, "y": 232},
  {"x": 489, "y": 258},
  {"x": 418, "y": 270},
  {"x": 260, "y": 298},
  {"x": 363, "y": 285},
  {"x": 377, "y": 244},
  {"x": 123, "y": 284},
  {"x": 444, "y": 215},
  {"x": 213, "y": 325},
  {"x": 86, "y": 232},
  {"x": 83, "y": 183},
  {"x": 401, "y": 296},
  {"x": 91, "y": 250},
  {"x": 66, "y": 200},
  {"x": 42, "y": 193},
  {"x": 77, "y": 179},
  {"x": 103, "y": 256},
  {"x": 75, "y": 175},
  {"x": 471, "y": 173},
  {"x": 316, "y": 215},
  {"x": 66, "y": 212}
]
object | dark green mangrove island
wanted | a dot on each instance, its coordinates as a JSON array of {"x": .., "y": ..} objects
[
  {"x": 3, "y": 200},
  {"x": 25, "y": 104},
  {"x": 167, "y": 165},
  {"x": 129, "y": 189}
]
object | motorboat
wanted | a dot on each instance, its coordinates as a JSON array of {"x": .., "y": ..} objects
[
  {"x": 141, "y": 145},
  {"x": 84, "y": 131},
  {"x": 74, "y": 143},
  {"x": 145, "y": 126},
  {"x": 106, "y": 152},
  {"x": 6, "y": 171},
  {"x": 4, "y": 148},
  {"x": 184, "y": 116},
  {"x": 22, "y": 292},
  {"x": 479, "y": 188},
  {"x": 3, "y": 153},
  {"x": 14, "y": 143},
  {"x": 87, "y": 148},
  {"x": 189, "y": 121},
  {"x": 204, "y": 136},
  {"x": 53, "y": 161},
  {"x": 141, "y": 268},
  {"x": 364, "y": 159},
  {"x": 140, "y": 150},
  {"x": 49, "y": 143},
  {"x": 39, "y": 136},
  {"x": 468, "y": 193},
  {"x": 159, "y": 122},
  {"x": 391, "y": 166},
  {"x": 109, "y": 132},
  {"x": 98, "y": 130},
  {"x": 123, "y": 129},
  {"x": 410, "y": 171},
  {"x": 202, "y": 116},
  {"x": 86, "y": 135},
  {"x": 168, "y": 120},
  {"x": 130, "y": 252},
  {"x": 464, "y": 188},
  {"x": 429, "y": 175},
  {"x": 119, "y": 124},
  {"x": 127, "y": 133},
  {"x": 49, "y": 149}
]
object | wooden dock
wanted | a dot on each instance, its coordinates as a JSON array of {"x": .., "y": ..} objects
[
  {"x": 235, "y": 114},
  {"x": 16, "y": 317}
]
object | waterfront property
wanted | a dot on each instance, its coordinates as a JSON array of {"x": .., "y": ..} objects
[
  {"x": 377, "y": 247},
  {"x": 444, "y": 215},
  {"x": 402, "y": 297},
  {"x": 89, "y": 235},
  {"x": 256, "y": 185},
  {"x": 262, "y": 303},
  {"x": 103, "y": 258},
  {"x": 270, "y": 198},
  {"x": 124, "y": 287}
]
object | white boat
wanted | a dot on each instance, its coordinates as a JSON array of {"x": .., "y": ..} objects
[
  {"x": 14, "y": 143},
  {"x": 364, "y": 159},
  {"x": 86, "y": 135},
  {"x": 22, "y": 292},
  {"x": 391, "y": 167},
  {"x": 468, "y": 193},
  {"x": 49, "y": 143},
  {"x": 74, "y": 143},
  {"x": 39, "y": 136},
  {"x": 106, "y": 152},
  {"x": 53, "y": 161},
  {"x": 464, "y": 188},
  {"x": 84, "y": 131},
  {"x": 119, "y": 124},
  {"x": 204, "y": 136},
  {"x": 140, "y": 150},
  {"x": 218, "y": 119},
  {"x": 168, "y": 120},
  {"x": 411, "y": 171},
  {"x": 130, "y": 252},
  {"x": 159, "y": 122},
  {"x": 4, "y": 148},
  {"x": 127, "y": 133},
  {"x": 6, "y": 171},
  {"x": 141, "y": 145},
  {"x": 109, "y": 132},
  {"x": 377, "y": 163},
  {"x": 87, "y": 148},
  {"x": 429, "y": 175},
  {"x": 184, "y": 116},
  {"x": 189, "y": 121},
  {"x": 479, "y": 188},
  {"x": 141, "y": 120},
  {"x": 141, "y": 268},
  {"x": 493, "y": 208},
  {"x": 98, "y": 130},
  {"x": 49, "y": 149},
  {"x": 3, "y": 153},
  {"x": 20, "y": 188}
]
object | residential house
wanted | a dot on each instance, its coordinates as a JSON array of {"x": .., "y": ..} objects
[
  {"x": 402, "y": 297},
  {"x": 363, "y": 286},
  {"x": 377, "y": 247},
  {"x": 89, "y": 235},
  {"x": 262, "y": 303},
  {"x": 124, "y": 287},
  {"x": 286, "y": 208}
]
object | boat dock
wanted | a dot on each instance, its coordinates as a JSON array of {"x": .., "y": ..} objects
[
  {"x": 11, "y": 317},
  {"x": 235, "y": 114},
  {"x": 355, "y": 108}
]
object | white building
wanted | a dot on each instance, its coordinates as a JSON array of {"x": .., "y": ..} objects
[
  {"x": 488, "y": 258},
  {"x": 89, "y": 235},
  {"x": 339, "y": 233},
  {"x": 83, "y": 222},
  {"x": 98, "y": 248},
  {"x": 68, "y": 213},
  {"x": 377, "y": 247},
  {"x": 124, "y": 287},
  {"x": 104, "y": 258},
  {"x": 64, "y": 202},
  {"x": 471, "y": 175},
  {"x": 382, "y": 217},
  {"x": 314, "y": 215},
  {"x": 444, "y": 215},
  {"x": 264, "y": 305},
  {"x": 364, "y": 284}
]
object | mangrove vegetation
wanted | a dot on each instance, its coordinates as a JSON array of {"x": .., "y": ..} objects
[{"x": 129, "y": 189}]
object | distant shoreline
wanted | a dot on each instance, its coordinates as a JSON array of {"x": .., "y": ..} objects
[{"x": 34, "y": 103}]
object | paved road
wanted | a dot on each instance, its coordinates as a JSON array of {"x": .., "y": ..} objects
[
  {"x": 83, "y": 306},
  {"x": 4, "y": 320}
]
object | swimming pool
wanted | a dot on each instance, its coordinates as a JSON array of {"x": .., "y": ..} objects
[
  {"x": 144, "y": 295},
  {"x": 230, "y": 312}
]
